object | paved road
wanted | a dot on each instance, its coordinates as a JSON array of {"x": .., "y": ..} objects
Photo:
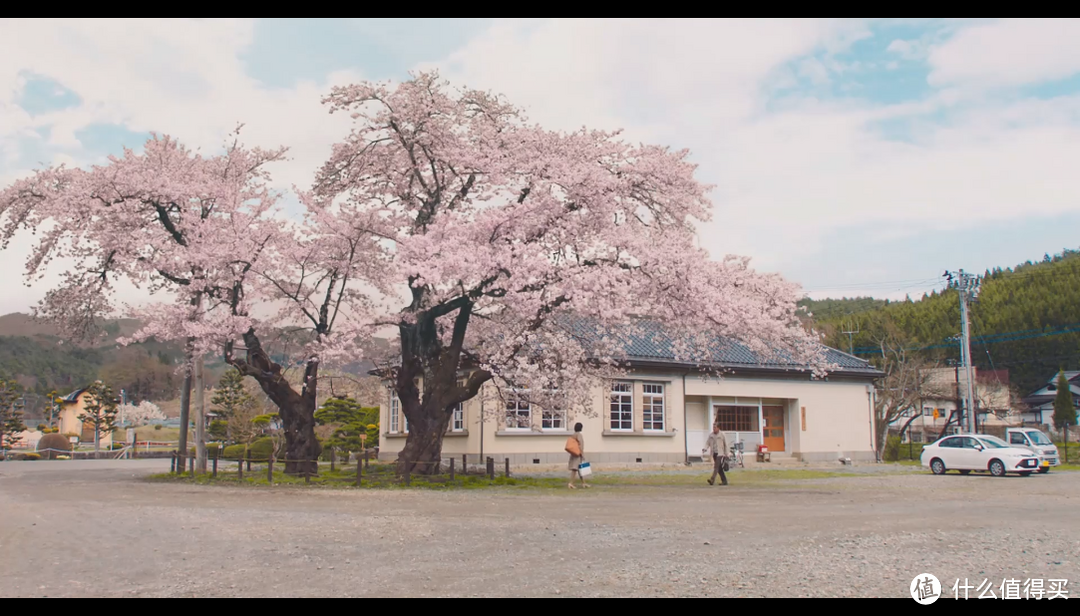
[{"x": 95, "y": 529}]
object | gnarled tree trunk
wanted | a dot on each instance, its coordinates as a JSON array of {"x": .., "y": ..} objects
[
  {"x": 424, "y": 355},
  {"x": 423, "y": 447},
  {"x": 296, "y": 410}
]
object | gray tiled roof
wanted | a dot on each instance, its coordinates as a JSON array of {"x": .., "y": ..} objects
[{"x": 651, "y": 340}]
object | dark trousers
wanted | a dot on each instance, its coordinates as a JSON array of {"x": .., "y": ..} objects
[{"x": 718, "y": 467}]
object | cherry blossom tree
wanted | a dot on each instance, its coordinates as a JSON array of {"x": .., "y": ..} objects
[
  {"x": 205, "y": 232},
  {"x": 140, "y": 414},
  {"x": 525, "y": 255}
]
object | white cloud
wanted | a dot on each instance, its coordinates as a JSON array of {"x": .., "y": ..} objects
[
  {"x": 1008, "y": 53},
  {"x": 784, "y": 179}
]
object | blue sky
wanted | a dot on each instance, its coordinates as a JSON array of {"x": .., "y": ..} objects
[{"x": 852, "y": 156}]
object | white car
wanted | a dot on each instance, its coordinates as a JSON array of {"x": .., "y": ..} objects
[{"x": 978, "y": 452}]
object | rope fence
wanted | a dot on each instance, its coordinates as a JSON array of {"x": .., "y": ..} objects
[{"x": 180, "y": 463}]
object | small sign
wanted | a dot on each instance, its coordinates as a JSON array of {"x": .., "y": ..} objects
[
  {"x": 73, "y": 439},
  {"x": 363, "y": 437},
  {"x": 131, "y": 435}
]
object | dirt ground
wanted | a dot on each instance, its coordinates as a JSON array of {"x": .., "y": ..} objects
[{"x": 98, "y": 529}]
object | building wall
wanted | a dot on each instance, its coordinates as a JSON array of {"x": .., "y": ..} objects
[
  {"x": 70, "y": 423},
  {"x": 837, "y": 422}
]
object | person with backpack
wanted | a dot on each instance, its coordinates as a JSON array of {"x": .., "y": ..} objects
[{"x": 575, "y": 446}]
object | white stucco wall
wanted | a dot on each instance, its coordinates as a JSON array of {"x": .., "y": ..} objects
[{"x": 838, "y": 422}]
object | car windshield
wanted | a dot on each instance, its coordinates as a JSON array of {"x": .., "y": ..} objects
[
  {"x": 994, "y": 442},
  {"x": 1039, "y": 438}
]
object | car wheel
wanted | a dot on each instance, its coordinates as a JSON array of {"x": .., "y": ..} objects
[
  {"x": 937, "y": 466},
  {"x": 1043, "y": 471},
  {"x": 964, "y": 472},
  {"x": 1025, "y": 473},
  {"x": 997, "y": 468}
]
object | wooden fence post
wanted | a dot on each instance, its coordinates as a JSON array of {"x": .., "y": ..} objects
[
  {"x": 366, "y": 464},
  {"x": 240, "y": 469},
  {"x": 359, "y": 470},
  {"x": 452, "y": 460},
  {"x": 464, "y": 464},
  {"x": 491, "y": 468},
  {"x": 172, "y": 464},
  {"x": 507, "y": 467},
  {"x": 270, "y": 470},
  {"x": 216, "y": 450}
]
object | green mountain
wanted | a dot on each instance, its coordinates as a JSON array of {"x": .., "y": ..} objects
[{"x": 1026, "y": 320}]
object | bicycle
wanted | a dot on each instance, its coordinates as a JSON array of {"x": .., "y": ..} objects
[{"x": 736, "y": 457}]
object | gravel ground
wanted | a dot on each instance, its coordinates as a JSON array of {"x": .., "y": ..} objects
[{"x": 95, "y": 529}]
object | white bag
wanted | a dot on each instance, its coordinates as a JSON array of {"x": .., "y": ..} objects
[{"x": 584, "y": 469}]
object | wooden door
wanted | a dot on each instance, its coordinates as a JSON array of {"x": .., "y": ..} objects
[{"x": 773, "y": 428}]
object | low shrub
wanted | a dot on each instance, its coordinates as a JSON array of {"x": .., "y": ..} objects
[
  {"x": 29, "y": 456},
  {"x": 892, "y": 449},
  {"x": 210, "y": 449},
  {"x": 233, "y": 452},
  {"x": 157, "y": 427},
  {"x": 42, "y": 428},
  {"x": 259, "y": 451},
  {"x": 55, "y": 442}
]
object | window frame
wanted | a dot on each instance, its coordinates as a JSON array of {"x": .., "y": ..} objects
[
  {"x": 395, "y": 409},
  {"x": 625, "y": 397},
  {"x": 649, "y": 407},
  {"x": 457, "y": 417},
  {"x": 735, "y": 415},
  {"x": 515, "y": 395}
]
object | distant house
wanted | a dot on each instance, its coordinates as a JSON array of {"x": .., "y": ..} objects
[
  {"x": 1041, "y": 401},
  {"x": 73, "y": 405},
  {"x": 944, "y": 386}
]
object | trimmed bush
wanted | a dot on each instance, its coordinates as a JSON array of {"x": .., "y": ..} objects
[
  {"x": 233, "y": 452},
  {"x": 210, "y": 449},
  {"x": 157, "y": 427},
  {"x": 53, "y": 441},
  {"x": 258, "y": 452},
  {"x": 42, "y": 428},
  {"x": 29, "y": 456}
]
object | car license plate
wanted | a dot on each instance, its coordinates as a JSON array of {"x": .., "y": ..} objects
[{"x": 1045, "y": 463}]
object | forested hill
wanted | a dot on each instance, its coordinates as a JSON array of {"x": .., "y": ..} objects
[{"x": 1015, "y": 323}]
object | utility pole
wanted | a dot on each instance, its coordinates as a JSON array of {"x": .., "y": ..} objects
[
  {"x": 967, "y": 286},
  {"x": 849, "y": 332}
]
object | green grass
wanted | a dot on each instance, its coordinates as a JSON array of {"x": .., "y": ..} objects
[{"x": 382, "y": 476}]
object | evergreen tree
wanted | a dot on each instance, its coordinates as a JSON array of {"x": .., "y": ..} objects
[
  {"x": 1064, "y": 410},
  {"x": 350, "y": 421},
  {"x": 230, "y": 395},
  {"x": 99, "y": 410},
  {"x": 11, "y": 422}
]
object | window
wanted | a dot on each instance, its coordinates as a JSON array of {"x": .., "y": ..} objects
[
  {"x": 736, "y": 418},
  {"x": 553, "y": 420},
  {"x": 953, "y": 443},
  {"x": 1015, "y": 438},
  {"x": 622, "y": 406},
  {"x": 653, "y": 406},
  {"x": 457, "y": 422},
  {"x": 518, "y": 411},
  {"x": 395, "y": 409}
]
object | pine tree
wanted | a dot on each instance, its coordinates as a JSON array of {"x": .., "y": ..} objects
[
  {"x": 1064, "y": 410},
  {"x": 350, "y": 421},
  {"x": 230, "y": 395},
  {"x": 100, "y": 410},
  {"x": 11, "y": 422}
]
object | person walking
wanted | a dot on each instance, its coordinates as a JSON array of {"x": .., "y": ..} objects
[
  {"x": 717, "y": 446},
  {"x": 575, "y": 446}
]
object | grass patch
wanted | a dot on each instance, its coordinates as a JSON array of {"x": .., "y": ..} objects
[{"x": 383, "y": 476}]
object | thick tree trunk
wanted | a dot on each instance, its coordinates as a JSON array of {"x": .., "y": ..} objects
[
  {"x": 296, "y": 410},
  {"x": 422, "y": 453}
]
